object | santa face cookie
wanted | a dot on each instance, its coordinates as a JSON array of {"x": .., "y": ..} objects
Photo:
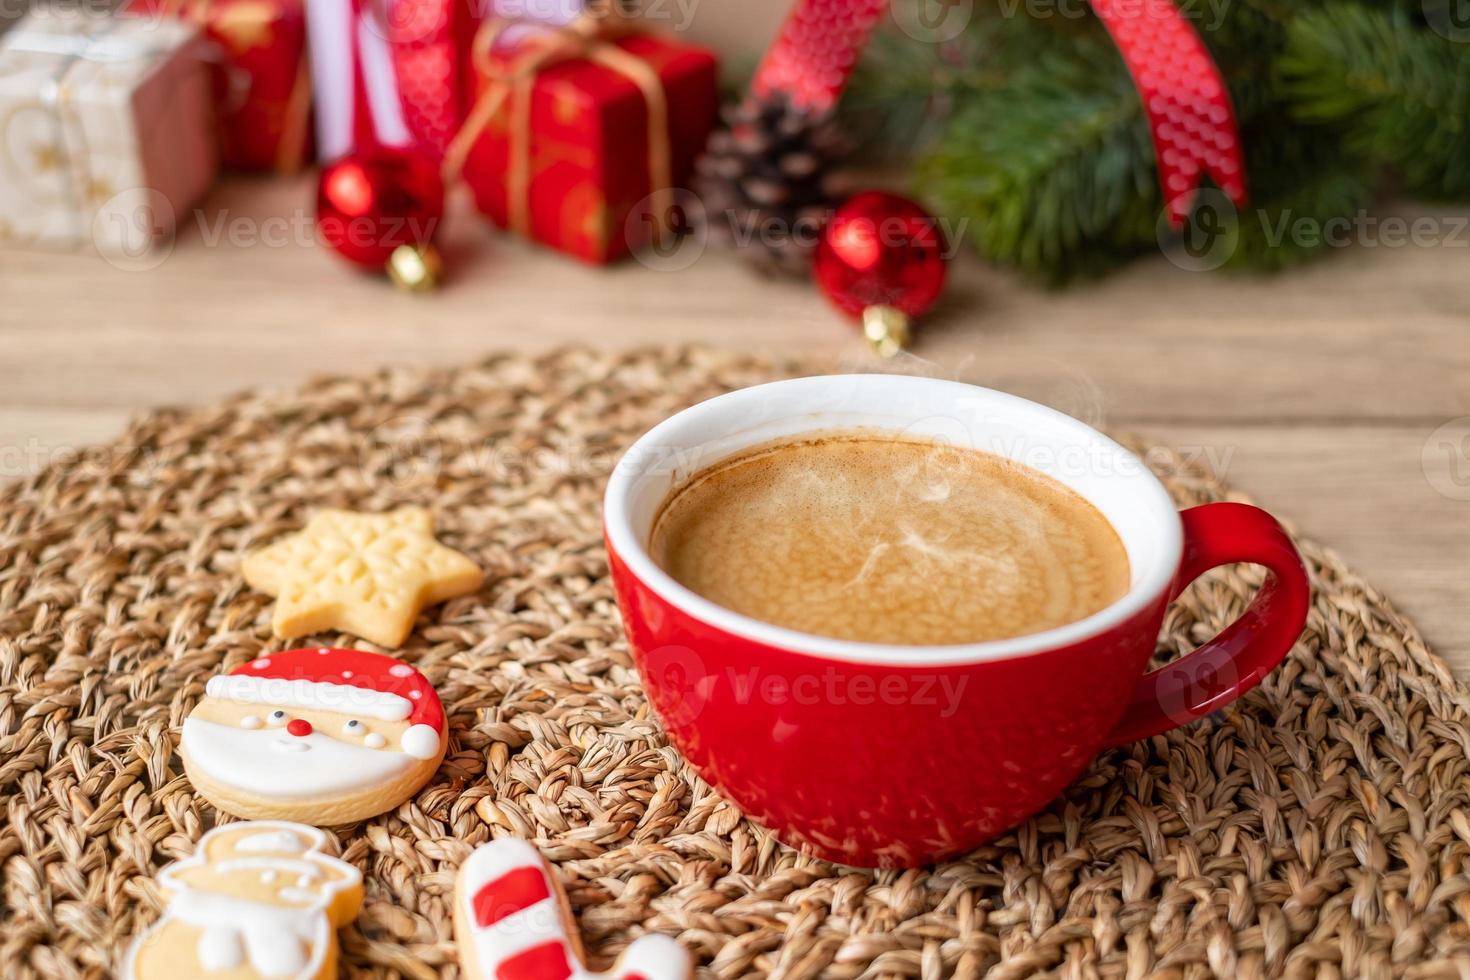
[
  {"x": 323, "y": 736},
  {"x": 256, "y": 900},
  {"x": 512, "y": 922}
]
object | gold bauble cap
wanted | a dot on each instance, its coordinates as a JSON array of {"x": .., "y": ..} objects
[
  {"x": 886, "y": 328},
  {"x": 415, "y": 268}
]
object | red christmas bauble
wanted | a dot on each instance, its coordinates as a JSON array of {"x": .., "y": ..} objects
[
  {"x": 368, "y": 205},
  {"x": 881, "y": 258}
]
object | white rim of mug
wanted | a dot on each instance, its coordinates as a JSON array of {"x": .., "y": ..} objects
[{"x": 1144, "y": 591}]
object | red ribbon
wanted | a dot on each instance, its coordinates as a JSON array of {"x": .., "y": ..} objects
[
  {"x": 1190, "y": 116},
  {"x": 816, "y": 51},
  {"x": 1184, "y": 96},
  {"x": 430, "y": 42}
]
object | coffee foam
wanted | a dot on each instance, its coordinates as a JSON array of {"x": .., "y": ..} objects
[{"x": 887, "y": 540}]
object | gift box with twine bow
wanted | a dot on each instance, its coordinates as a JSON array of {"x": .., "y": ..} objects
[{"x": 580, "y": 135}]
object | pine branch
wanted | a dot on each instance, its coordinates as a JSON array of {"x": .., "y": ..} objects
[
  {"x": 1044, "y": 188},
  {"x": 1040, "y": 146},
  {"x": 1279, "y": 234},
  {"x": 1400, "y": 91},
  {"x": 904, "y": 92}
]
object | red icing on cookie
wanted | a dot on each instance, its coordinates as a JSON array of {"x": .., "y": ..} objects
[
  {"x": 545, "y": 962},
  {"x": 508, "y": 894},
  {"x": 353, "y": 668}
]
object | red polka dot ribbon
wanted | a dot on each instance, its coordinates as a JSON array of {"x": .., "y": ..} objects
[
  {"x": 428, "y": 39},
  {"x": 1188, "y": 106},
  {"x": 1189, "y": 112},
  {"x": 816, "y": 51}
]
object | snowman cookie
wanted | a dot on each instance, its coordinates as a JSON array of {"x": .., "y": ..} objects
[
  {"x": 512, "y": 922},
  {"x": 256, "y": 900},
  {"x": 324, "y": 736}
]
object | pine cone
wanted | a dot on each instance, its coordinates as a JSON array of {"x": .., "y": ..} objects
[{"x": 763, "y": 182}]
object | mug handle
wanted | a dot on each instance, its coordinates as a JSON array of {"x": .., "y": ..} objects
[{"x": 1232, "y": 663}]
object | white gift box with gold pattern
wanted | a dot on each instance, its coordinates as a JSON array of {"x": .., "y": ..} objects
[{"x": 106, "y": 131}]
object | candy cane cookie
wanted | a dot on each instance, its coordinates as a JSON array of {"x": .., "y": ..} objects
[{"x": 512, "y": 922}]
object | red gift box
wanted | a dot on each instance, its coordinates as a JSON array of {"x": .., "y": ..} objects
[
  {"x": 262, "y": 87},
  {"x": 576, "y": 142}
]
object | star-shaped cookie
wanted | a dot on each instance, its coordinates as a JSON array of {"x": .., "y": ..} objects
[{"x": 365, "y": 574}]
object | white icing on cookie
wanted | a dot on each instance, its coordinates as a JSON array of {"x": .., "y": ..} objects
[
  {"x": 420, "y": 741},
  {"x": 274, "y": 841},
  {"x": 375, "y": 741},
  {"x": 250, "y": 721},
  {"x": 300, "y": 867},
  {"x": 220, "y": 948},
  {"x": 295, "y": 894},
  {"x": 276, "y": 942},
  {"x": 321, "y": 695},
  {"x": 320, "y": 765},
  {"x": 654, "y": 956}
]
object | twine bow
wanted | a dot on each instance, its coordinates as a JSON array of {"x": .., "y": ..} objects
[{"x": 512, "y": 80}]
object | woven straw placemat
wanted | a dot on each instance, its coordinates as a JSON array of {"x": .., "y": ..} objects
[{"x": 1318, "y": 827}]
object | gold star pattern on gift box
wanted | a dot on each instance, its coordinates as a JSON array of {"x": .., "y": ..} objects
[{"x": 365, "y": 574}]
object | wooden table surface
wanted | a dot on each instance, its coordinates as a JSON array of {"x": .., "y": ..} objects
[{"x": 1338, "y": 395}]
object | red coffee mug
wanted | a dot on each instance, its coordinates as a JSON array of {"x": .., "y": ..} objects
[{"x": 889, "y": 756}]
